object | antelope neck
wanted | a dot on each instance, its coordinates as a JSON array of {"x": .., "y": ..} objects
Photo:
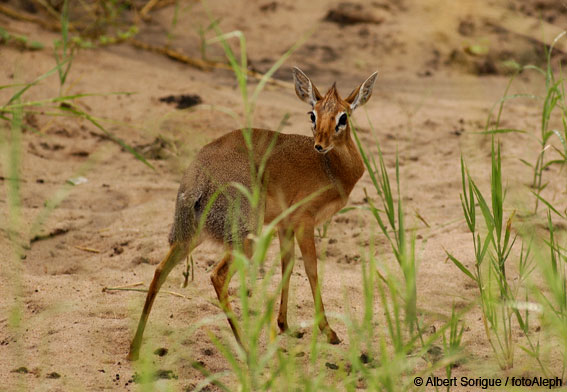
[{"x": 343, "y": 166}]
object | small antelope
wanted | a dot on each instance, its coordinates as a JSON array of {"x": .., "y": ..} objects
[{"x": 297, "y": 166}]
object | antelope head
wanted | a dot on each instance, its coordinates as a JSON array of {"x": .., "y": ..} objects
[{"x": 330, "y": 113}]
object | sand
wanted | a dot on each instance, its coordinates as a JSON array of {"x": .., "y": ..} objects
[{"x": 430, "y": 101}]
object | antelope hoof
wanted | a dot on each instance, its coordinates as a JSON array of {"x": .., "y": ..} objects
[
  {"x": 283, "y": 326},
  {"x": 133, "y": 355},
  {"x": 284, "y": 330},
  {"x": 332, "y": 337},
  {"x": 298, "y": 334}
]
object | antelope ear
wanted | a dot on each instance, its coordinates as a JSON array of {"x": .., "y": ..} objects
[
  {"x": 305, "y": 90},
  {"x": 362, "y": 93}
]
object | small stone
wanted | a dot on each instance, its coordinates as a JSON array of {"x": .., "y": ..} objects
[
  {"x": 298, "y": 334},
  {"x": 364, "y": 358},
  {"x": 161, "y": 351},
  {"x": 140, "y": 260},
  {"x": 331, "y": 366},
  {"x": 165, "y": 374}
]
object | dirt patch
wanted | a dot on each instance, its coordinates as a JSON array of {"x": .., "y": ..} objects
[
  {"x": 182, "y": 101},
  {"x": 351, "y": 14},
  {"x": 548, "y": 10}
]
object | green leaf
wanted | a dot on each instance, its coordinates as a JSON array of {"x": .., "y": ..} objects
[
  {"x": 477, "y": 50},
  {"x": 526, "y": 163},
  {"x": 23, "y": 90},
  {"x": 461, "y": 266},
  {"x": 531, "y": 353},
  {"x": 500, "y": 130},
  {"x": 35, "y": 45},
  {"x": 110, "y": 135},
  {"x": 553, "y": 162},
  {"x": 549, "y": 205}
]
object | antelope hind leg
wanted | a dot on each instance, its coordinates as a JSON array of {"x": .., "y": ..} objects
[{"x": 176, "y": 253}]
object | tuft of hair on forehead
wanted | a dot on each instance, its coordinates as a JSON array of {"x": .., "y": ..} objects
[
  {"x": 333, "y": 90},
  {"x": 331, "y": 99}
]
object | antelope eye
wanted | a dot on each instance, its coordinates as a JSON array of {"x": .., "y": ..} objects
[
  {"x": 343, "y": 120},
  {"x": 312, "y": 116}
]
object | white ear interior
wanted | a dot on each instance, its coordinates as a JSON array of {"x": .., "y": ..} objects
[
  {"x": 365, "y": 92},
  {"x": 312, "y": 99},
  {"x": 303, "y": 87}
]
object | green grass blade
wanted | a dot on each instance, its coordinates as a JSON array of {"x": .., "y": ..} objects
[
  {"x": 110, "y": 135},
  {"x": 461, "y": 266},
  {"x": 549, "y": 205},
  {"x": 18, "y": 94}
]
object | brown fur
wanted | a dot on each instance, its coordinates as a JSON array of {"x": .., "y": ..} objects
[{"x": 294, "y": 171}]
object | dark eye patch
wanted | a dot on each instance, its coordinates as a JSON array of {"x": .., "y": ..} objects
[
  {"x": 312, "y": 115},
  {"x": 343, "y": 120}
]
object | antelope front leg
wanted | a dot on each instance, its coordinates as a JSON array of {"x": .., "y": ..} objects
[
  {"x": 287, "y": 250},
  {"x": 307, "y": 245}
]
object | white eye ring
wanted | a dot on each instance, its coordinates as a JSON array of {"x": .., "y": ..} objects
[{"x": 313, "y": 118}]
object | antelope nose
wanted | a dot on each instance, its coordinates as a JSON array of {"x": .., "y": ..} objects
[{"x": 318, "y": 147}]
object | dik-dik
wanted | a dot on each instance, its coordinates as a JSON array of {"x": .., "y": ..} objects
[{"x": 325, "y": 167}]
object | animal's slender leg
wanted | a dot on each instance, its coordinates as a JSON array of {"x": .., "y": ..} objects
[
  {"x": 220, "y": 278},
  {"x": 287, "y": 250},
  {"x": 306, "y": 241},
  {"x": 176, "y": 253}
]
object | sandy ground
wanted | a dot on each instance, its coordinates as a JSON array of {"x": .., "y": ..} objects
[{"x": 429, "y": 101}]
